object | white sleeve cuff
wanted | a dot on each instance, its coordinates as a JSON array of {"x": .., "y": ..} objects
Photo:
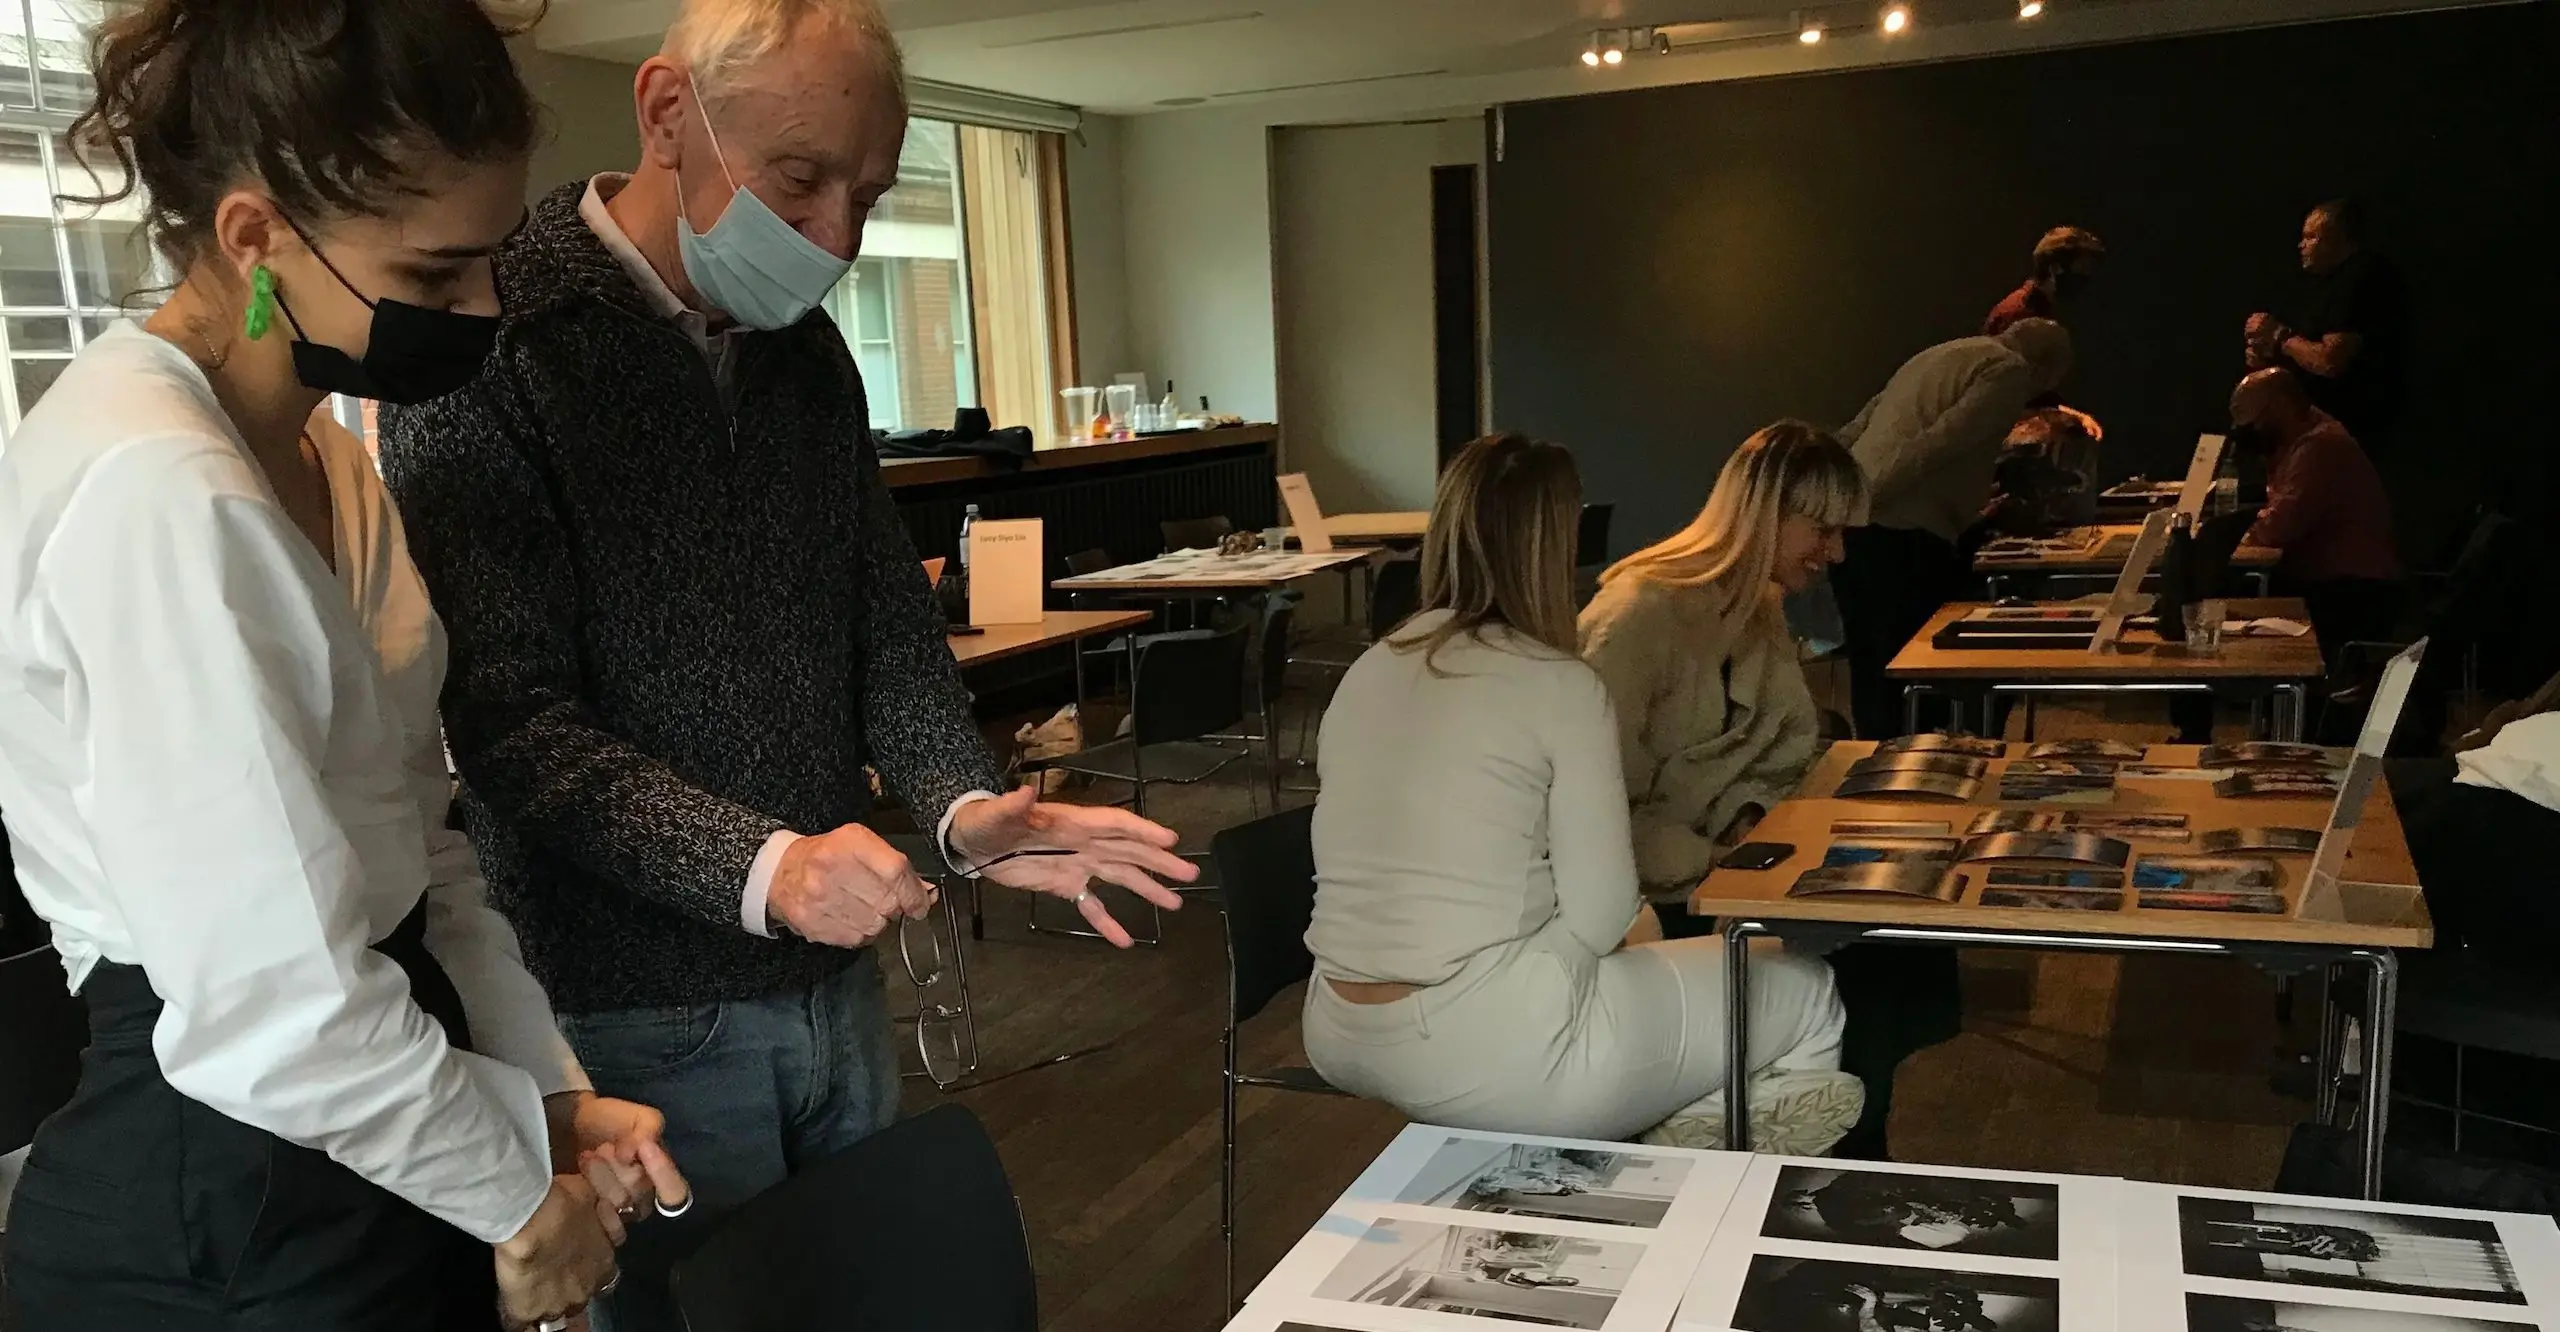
[
  {"x": 751, "y": 903},
  {"x": 516, "y": 1093},
  {"x": 942, "y": 831}
]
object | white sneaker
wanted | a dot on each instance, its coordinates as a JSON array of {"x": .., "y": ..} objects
[{"x": 1794, "y": 1112}]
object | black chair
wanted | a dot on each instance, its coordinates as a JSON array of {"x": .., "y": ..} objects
[
  {"x": 1196, "y": 533},
  {"x": 2454, "y": 997},
  {"x": 40, "y": 1043},
  {"x": 913, "y": 1229},
  {"x": 1268, "y": 872},
  {"x": 2356, "y": 667},
  {"x": 1591, "y": 548},
  {"x": 1189, "y": 685},
  {"x": 1395, "y": 593}
]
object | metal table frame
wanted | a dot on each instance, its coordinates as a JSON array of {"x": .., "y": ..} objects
[
  {"x": 2381, "y": 999},
  {"x": 2291, "y": 697}
]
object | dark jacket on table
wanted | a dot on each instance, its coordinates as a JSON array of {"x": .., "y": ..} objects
[{"x": 677, "y": 627}]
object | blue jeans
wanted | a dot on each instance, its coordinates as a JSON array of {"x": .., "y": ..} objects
[{"x": 753, "y": 1091}]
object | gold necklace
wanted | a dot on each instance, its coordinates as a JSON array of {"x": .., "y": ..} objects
[{"x": 214, "y": 359}]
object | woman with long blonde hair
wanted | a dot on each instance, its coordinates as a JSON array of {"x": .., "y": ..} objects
[
  {"x": 1476, "y": 883},
  {"x": 1715, "y": 723}
]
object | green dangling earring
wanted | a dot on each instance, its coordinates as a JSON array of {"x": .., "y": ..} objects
[{"x": 262, "y": 303}]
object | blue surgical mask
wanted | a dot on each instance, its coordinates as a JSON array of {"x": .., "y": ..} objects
[{"x": 755, "y": 267}]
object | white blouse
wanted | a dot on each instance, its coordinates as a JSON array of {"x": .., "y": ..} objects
[{"x": 220, "y": 761}]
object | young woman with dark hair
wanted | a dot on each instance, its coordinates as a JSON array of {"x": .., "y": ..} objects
[{"x": 223, "y": 774}]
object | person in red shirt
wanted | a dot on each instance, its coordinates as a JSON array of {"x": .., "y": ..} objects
[
  {"x": 2065, "y": 260},
  {"x": 2326, "y": 510}
]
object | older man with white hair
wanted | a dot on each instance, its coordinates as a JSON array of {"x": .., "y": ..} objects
[
  {"x": 686, "y": 615},
  {"x": 1929, "y": 443}
]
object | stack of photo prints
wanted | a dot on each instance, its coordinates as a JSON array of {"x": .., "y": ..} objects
[
  {"x": 2068, "y": 859},
  {"x": 1481, "y": 1232}
]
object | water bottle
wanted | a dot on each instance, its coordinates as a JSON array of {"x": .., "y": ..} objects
[
  {"x": 968, "y": 519},
  {"x": 954, "y": 592}
]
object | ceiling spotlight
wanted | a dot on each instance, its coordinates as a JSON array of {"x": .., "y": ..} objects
[
  {"x": 2028, "y": 9},
  {"x": 1811, "y": 34},
  {"x": 1896, "y": 18},
  {"x": 1592, "y": 57},
  {"x": 1612, "y": 56}
]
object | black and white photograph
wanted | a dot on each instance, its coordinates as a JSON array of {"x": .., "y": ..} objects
[
  {"x": 2453, "y": 1258},
  {"x": 2222, "y": 1313},
  {"x": 1515, "y": 1276},
  {"x": 1893, "y": 1210},
  {"x": 1815, "y": 1295},
  {"x": 1565, "y": 1183}
]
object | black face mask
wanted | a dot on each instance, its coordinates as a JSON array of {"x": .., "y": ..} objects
[{"x": 414, "y": 354}]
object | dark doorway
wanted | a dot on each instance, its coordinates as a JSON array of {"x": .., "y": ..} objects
[{"x": 1454, "y": 312}]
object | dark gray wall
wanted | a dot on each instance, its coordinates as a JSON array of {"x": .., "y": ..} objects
[{"x": 1673, "y": 268}]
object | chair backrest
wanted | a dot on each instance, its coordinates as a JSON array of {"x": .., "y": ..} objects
[
  {"x": 1088, "y": 562},
  {"x": 41, "y": 1037},
  {"x": 1267, "y": 873},
  {"x": 1196, "y": 533},
  {"x": 1591, "y": 538},
  {"x": 1395, "y": 593},
  {"x": 1189, "y": 684},
  {"x": 913, "y": 1229}
]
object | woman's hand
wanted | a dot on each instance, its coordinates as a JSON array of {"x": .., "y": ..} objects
[
  {"x": 558, "y": 1261},
  {"x": 618, "y": 1146}
]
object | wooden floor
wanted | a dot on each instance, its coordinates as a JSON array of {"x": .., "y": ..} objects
[{"x": 2152, "y": 1068}]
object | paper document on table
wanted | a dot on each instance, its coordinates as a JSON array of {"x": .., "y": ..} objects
[
  {"x": 1819, "y": 1244},
  {"x": 1004, "y": 571},
  {"x": 2212, "y": 1260},
  {"x": 1506, "y": 1229},
  {"x": 1300, "y": 499}
]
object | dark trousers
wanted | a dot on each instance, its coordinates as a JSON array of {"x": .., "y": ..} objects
[
  {"x": 2484, "y": 857},
  {"x": 142, "y": 1209},
  {"x": 1893, "y": 580}
]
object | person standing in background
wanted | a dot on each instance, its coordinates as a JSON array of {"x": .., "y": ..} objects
[
  {"x": 687, "y": 615},
  {"x": 2065, "y": 262},
  {"x": 1929, "y": 443},
  {"x": 320, "y": 1087},
  {"x": 2344, "y": 331}
]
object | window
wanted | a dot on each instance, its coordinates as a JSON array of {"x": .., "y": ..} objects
[
  {"x": 65, "y": 269},
  {"x": 952, "y": 302}
]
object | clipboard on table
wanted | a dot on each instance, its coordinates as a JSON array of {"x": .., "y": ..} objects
[
  {"x": 2201, "y": 471},
  {"x": 1299, "y": 498}
]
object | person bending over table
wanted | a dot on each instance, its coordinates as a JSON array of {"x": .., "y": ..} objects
[
  {"x": 1715, "y": 724},
  {"x": 1476, "y": 880},
  {"x": 2480, "y": 826},
  {"x": 1929, "y": 443}
]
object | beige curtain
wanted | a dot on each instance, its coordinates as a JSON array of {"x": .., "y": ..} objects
[{"x": 1009, "y": 278}]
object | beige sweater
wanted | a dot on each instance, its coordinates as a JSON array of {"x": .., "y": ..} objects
[{"x": 1712, "y": 717}]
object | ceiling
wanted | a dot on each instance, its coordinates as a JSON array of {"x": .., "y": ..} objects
[{"x": 1329, "y": 60}]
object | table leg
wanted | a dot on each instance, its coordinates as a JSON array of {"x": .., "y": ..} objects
[
  {"x": 2381, "y": 1012},
  {"x": 1737, "y": 1034},
  {"x": 1910, "y": 710},
  {"x": 2324, "y": 1072},
  {"x": 2292, "y": 704}
]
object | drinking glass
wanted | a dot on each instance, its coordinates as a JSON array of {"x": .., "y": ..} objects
[{"x": 2204, "y": 627}]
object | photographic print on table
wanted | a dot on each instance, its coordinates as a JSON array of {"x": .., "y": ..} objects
[
  {"x": 2279, "y": 841},
  {"x": 1787, "y": 1294},
  {"x": 1904, "y": 1210},
  {"x": 1906, "y": 878},
  {"x": 1890, "y": 851},
  {"x": 1902, "y": 784},
  {"x": 2140, "y": 827},
  {"x": 2046, "y": 783},
  {"x": 2401, "y": 1253},
  {"x": 2278, "y": 783},
  {"x": 1937, "y": 743},
  {"x": 2077, "y": 848},
  {"x": 2105, "y": 751},
  {"x": 1862, "y": 828},
  {"x": 1515, "y": 1276},
  {"x": 2223, "y": 1313},
  {"x": 1562, "y": 1183},
  {"x": 2255, "y": 752}
]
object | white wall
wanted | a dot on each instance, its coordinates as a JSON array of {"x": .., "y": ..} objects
[
  {"x": 1097, "y": 236},
  {"x": 1196, "y": 195},
  {"x": 1352, "y": 246},
  {"x": 589, "y": 124}
]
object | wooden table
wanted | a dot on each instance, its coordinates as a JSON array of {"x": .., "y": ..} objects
[
  {"x": 1056, "y": 629},
  {"x": 1376, "y": 529},
  {"x": 2276, "y": 667},
  {"x": 2104, "y": 559},
  {"x": 2378, "y": 907}
]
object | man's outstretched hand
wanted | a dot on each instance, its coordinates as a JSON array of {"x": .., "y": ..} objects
[{"x": 1112, "y": 845}]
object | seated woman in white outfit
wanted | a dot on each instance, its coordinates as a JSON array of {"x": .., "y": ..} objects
[{"x": 1475, "y": 877}]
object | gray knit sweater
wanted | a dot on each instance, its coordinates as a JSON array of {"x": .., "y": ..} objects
[{"x": 676, "y": 626}]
